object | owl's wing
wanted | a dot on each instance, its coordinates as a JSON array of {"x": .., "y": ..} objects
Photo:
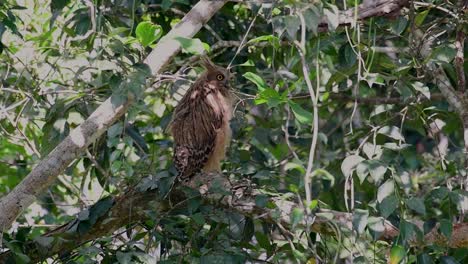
[{"x": 194, "y": 134}]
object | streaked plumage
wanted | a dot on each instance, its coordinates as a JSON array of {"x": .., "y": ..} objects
[{"x": 200, "y": 123}]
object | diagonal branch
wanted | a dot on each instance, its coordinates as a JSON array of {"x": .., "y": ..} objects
[{"x": 47, "y": 170}]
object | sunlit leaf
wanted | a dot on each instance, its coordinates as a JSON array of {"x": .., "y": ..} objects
[
  {"x": 397, "y": 253},
  {"x": 385, "y": 190},
  {"x": 193, "y": 46},
  {"x": 273, "y": 40},
  {"x": 147, "y": 33},
  {"x": 303, "y": 116},
  {"x": 360, "y": 220},
  {"x": 257, "y": 80},
  {"x": 392, "y": 132},
  {"x": 350, "y": 163}
]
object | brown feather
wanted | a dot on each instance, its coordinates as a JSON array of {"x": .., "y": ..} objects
[{"x": 200, "y": 123}]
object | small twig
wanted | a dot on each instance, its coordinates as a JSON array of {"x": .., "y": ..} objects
[
  {"x": 96, "y": 164},
  {"x": 241, "y": 46},
  {"x": 437, "y": 7}
]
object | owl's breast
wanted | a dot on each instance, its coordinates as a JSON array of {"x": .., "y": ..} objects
[
  {"x": 222, "y": 107},
  {"x": 220, "y": 104}
]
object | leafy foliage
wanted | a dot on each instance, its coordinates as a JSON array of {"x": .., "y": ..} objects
[{"x": 401, "y": 162}]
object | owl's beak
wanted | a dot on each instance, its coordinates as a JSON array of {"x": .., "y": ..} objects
[{"x": 232, "y": 75}]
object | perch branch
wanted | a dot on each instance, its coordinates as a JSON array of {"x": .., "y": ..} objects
[{"x": 131, "y": 207}]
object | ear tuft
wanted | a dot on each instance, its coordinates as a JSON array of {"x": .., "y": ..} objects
[{"x": 206, "y": 62}]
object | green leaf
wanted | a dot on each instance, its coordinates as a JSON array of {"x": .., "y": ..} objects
[
  {"x": 198, "y": 218},
  {"x": 261, "y": 200},
  {"x": 99, "y": 209},
  {"x": 313, "y": 204},
  {"x": 362, "y": 171},
  {"x": 406, "y": 230},
  {"x": 147, "y": 33},
  {"x": 397, "y": 253},
  {"x": 446, "y": 228},
  {"x": 57, "y": 5},
  {"x": 273, "y": 40},
  {"x": 349, "y": 164},
  {"x": 360, "y": 220},
  {"x": 303, "y": 116},
  {"x": 374, "y": 78},
  {"x": 400, "y": 25},
  {"x": 347, "y": 55},
  {"x": 448, "y": 260},
  {"x": 21, "y": 258},
  {"x": 443, "y": 53},
  {"x": 332, "y": 16},
  {"x": 392, "y": 132},
  {"x": 388, "y": 205},
  {"x": 115, "y": 130},
  {"x": 124, "y": 257},
  {"x": 417, "y": 205},
  {"x": 192, "y": 46},
  {"x": 248, "y": 63},
  {"x": 300, "y": 256},
  {"x": 263, "y": 240},
  {"x": 377, "y": 170},
  {"x": 296, "y": 217},
  {"x": 292, "y": 24},
  {"x": 419, "y": 19},
  {"x": 269, "y": 96},
  {"x": 44, "y": 241},
  {"x": 385, "y": 190},
  {"x": 439, "y": 193},
  {"x": 423, "y": 89},
  {"x": 424, "y": 258},
  {"x": 376, "y": 224},
  {"x": 324, "y": 174},
  {"x": 312, "y": 19},
  {"x": 257, "y": 80}
]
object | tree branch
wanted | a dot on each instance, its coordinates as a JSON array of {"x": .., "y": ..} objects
[
  {"x": 375, "y": 9},
  {"x": 131, "y": 207},
  {"x": 378, "y": 100},
  {"x": 47, "y": 170}
]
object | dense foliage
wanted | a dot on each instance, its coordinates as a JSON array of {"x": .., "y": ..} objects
[{"x": 388, "y": 143}]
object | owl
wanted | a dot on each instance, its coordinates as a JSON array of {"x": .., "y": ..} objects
[{"x": 200, "y": 123}]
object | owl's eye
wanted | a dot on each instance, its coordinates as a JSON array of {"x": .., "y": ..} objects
[{"x": 220, "y": 77}]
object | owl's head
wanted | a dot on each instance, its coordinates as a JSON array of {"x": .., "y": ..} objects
[{"x": 216, "y": 74}]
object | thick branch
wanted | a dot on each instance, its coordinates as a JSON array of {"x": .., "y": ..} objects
[
  {"x": 131, "y": 207},
  {"x": 45, "y": 173},
  {"x": 378, "y": 100},
  {"x": 374, "y": 9}
]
